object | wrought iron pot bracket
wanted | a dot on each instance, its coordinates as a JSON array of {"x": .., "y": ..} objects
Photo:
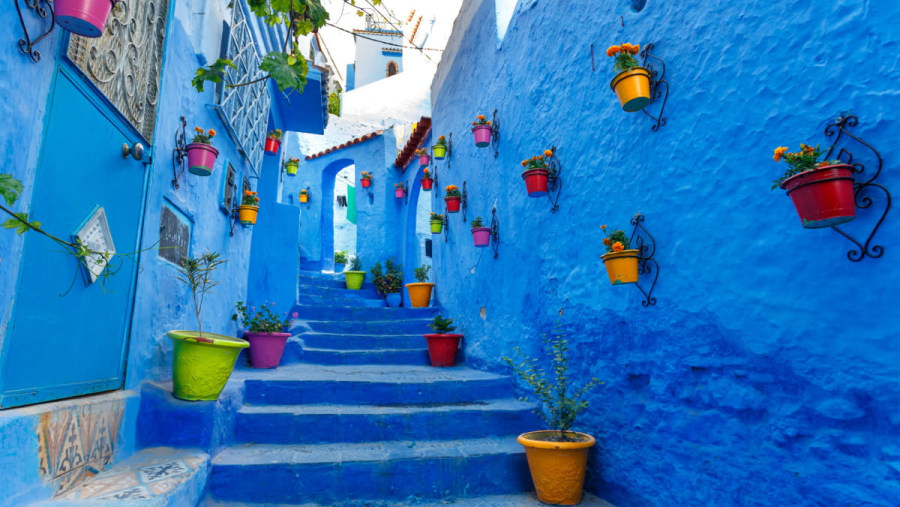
[
  {"x": 495, "y": 233},
  {"x": 863, "y": 191},
  {"x": 234, "y": 220},
  {"x": 446, "y": 225},
  {"x": 464, "y": 202},
  {"x": 659, "y": 87},
  {"x": 406, "y": 190},
  {"x": 179, "y": 153},
  {"x": 643, "y": 242},
  {"x": 554, "y": 180}
]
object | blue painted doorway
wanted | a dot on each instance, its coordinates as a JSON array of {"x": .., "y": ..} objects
[{"x": 68, "y": 337}]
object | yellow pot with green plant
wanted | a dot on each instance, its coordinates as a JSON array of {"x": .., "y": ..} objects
[
  {"x": 420, "y": 292},
  {"x": 632, "y": 82},
  {"x": 620, "y": 260}
]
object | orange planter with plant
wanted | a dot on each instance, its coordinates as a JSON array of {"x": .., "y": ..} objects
[
  {"x": 632, "y": 82},
  {"x": 620, "y": 261},
  {"x": 249, "y": 208}
]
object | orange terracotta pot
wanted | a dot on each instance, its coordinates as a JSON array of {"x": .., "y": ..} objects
[
  {"x": 633, "y": 88},
  {"x": 557, "y": 468},
  {"x": 621, "y": 267},
  {"x": 247, "y": 214}
]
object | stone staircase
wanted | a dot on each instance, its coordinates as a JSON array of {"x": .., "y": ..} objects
[{"x": 356, "y": 416}]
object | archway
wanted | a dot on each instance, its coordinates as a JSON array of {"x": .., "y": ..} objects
[
  {"x": 418, "y": 247},
  {"x": 344, "y": 212},
  {"x": 333, "y": 185}
]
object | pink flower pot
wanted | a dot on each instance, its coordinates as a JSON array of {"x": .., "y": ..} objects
[
  {"x": 481, "y": 236},
  {"x": 82, "y": 17},
  {"x": 482, "y": 135},
  {"x": 399, "y": 193},
  {"x": 201, "y": 158},
  {"x": 266, "y": 348},
  {"x": 424, "y": 159}
]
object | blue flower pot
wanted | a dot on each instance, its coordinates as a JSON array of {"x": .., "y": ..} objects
[{"x": 393, "y": 299}]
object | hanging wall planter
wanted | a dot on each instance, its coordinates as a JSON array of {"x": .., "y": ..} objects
[
  {"x": 304, "y": 196},
  {"x": 290, "y": 167},
  {"x": 399, "y": 190},
  {"x": 249, "y": 208},
  {"x": 437, "y": 223},
  {"x": 273, "y": 142},
  {"x": 200, "y": 153},
  {"x": 481, "y": 235},
  {"x": 482, "y": 131},
  {"x": 440, "y": 148},
  {"x": 537, "y": 173},
  {"x": 621, "y": 262},
  {"x": 83, "y": 17},
  {"x": 365, "y": 179},
  {"x": 632, "y": 83},
  {"x": 822, "y": 191},
  {"x": 427, "y": 180},
  {"x": 452, "y": 197},
  {"x": 424, "y": 159}
]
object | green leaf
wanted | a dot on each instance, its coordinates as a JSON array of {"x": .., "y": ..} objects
[
  {"x": 285, "y": 74},
  {"x": 22, "y": 226},
  {"x": 214, "y": 73},
  {"x": 10, "y": 188}
]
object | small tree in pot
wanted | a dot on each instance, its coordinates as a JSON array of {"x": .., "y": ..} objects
[
  {"x": 442, "y": 345},
  {"x": 557, "y": 457}
]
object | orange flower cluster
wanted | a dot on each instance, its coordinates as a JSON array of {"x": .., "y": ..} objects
[
  {"x": 451, "y": 188},
  {"x": 537, "y": 161},
  {"x": 435, "y": 216},
  {"x": 617, "y": 246},
  {"x": 425, "y": 172},
  {"x": 365, "y": 175},
  {"x": 452, "y": 191},
  {"x": 303, "y": 192},
  {"x": 398, "y": 185},
  {"x": 624, "y": 48},
  {"x": 250, "y": 198},
  {"x": 482, "y": 120},
  {"x": 203, "y": 136}
]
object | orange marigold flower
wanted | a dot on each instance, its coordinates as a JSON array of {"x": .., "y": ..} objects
[
  {"x": 548, "y": 153},
  {"x": 613, "y": 50},
  {"x": 626, "y": 47},
  {"x": 425, "y": 171},
  {"x": 635, "y": 49},
  {"x": 618, "y": 246},
  {"x": 247, "y": 192},
  {"x": 524, "y": 163},
  {"x": 607, "y": 241},
  {"x": 212, "y": 133},
  {"x": 822, "y": 163},
  {"x": 779, "y": 152},
  {"x": 198, "y": 130},
  {"x": 603, "y": 227},
  {"x": 481, "y": 116}
]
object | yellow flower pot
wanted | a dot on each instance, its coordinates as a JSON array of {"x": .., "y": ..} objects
[
  {"x": 291, "y": 168},
  {"x": 622, "y": 267},
  {"x": 633, "y": 88},
  {"x": 440, "y": 151},
  {"x": 557, "y": 468},
  {"x": 419, "y": 294},
  {"x": 304, "y": 197},
  {"x": 247, "y": 214}
]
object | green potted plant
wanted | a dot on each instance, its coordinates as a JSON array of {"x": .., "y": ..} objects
[
  {"x": 202, "y": 362},
  {"x": 355, "y": 276},
  {"x": 437, "y": 223},
  {"x": 388, "y": 281},
  {"x": 264, "y": 329},
  {"x": 557, "y": 457},
  {"x": 442, "y": 344},
  {"x": 420, "y": 292},
  {"x": 340, "y": 259},
  {"x": 440, "y": 148},
  {"x": 200, "y": 153},
  {"x": 273, "y": 142},
  {"x": 822, "y": 192},
  {"x": 632, "y": 82},
  {"x": 620, "y": 260},
  {"x": 481, "y": 235},
  {"x": 291, "y": 165}
]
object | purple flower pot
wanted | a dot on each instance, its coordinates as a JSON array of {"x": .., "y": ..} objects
[
  {"x": 201, "y": 158},
  {"x": 424, "y": 159},
  {"x": 481, "y": 236},
  {"x": 266, "y": 348},
  {"x": 482, "y": 135},
  {"x": 82, "y": 17}
]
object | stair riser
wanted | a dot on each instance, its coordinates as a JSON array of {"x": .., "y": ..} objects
[
  {"x": 332, "y": 290},
  {"x": 433, "y": 478},
  {"x": 286, "y": 392},
  {"x": 286, "y": 428},
  {"x": 414, "y": 357},
  {"x": 341, "y": 302},
  {"x": 334, "y": 283},
  {"x": 361, "y": 313},
  {"x": 355, "y": 342},
  {"x": 374, "y": 327}
]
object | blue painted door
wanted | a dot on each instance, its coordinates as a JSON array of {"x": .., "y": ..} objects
[{"x": 66, "y": 337}]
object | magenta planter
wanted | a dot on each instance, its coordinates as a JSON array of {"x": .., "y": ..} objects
[
  {"x": 82, "y": 17},
  {"x": 399, "y": 193},
  {"x": 424, "y": 159},
  {"x": 481, "y": 236},
  {"x": 482, "y": 135},
  {"x": 266, "y": 348},
  {"x": 201, "y": 158}
]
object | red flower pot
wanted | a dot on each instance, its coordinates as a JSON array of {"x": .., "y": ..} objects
[
  {"x": 536, "y": 182},
  {"x": 481, "y": 236},
  {"x": 482, "y": 135},
  {"x": 823, "y": 197},
  {"x": 266, "y": 348},
  {"x": 452, "y": 204},
  {"x": 82, "y": 17},
  {"x": 424, "y": 159},
  {"x": 399, "y": 193},
  {"x": 442, "y": 348},
  {"x": 427, "y": 183},
  {"x": 366, "y": 182},
  {"x": 272, "y": 145},
  {"x": 201, "y": 159}
]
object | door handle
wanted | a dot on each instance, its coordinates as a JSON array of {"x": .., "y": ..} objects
[{"x": 136, "y": 151}]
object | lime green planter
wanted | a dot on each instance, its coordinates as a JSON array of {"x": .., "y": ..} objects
[
  {"x": 354, "y": 279},
  {"x": 202, "y": 365}
]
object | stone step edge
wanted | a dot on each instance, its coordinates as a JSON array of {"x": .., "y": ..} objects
[{"x": 495, "y": 404}]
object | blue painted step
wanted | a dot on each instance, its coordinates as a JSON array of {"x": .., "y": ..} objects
[
  {"x": 404, "y": 326},
  {"x": 367, "y": 290},
  {"x": 373, "y": 356},
  {"x": 511, "y": 500},
  {"x": 358, "y": 313},
  {"x": 310, "y": 424},
  {"x": 370, "y": 302},
  {"x": 358, "y": 341},
  {"x": 336, "y": 473},
  {"x": 370, "y": 385}
]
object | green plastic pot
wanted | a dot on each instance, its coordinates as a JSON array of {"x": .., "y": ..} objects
[
  {"x": 202, "y": 364},
  {"x": 354, "y": 279}
]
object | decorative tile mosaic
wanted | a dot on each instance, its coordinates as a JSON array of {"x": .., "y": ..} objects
[
  {"x": 136, "y": 493},
  {"x": 162, "y": 471}
]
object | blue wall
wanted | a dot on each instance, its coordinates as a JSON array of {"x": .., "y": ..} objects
[{"x": 767, "y": 372}]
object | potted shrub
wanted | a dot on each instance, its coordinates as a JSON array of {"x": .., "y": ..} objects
[
  {"x": 822, "y": 192},
  {"x": 442, "y": 344},
  {"x": 621, "y": 262},
  {"x": 399, "y": 190},
  {"x": 437, "y": 223},
  {"x": 536, "y": 174},
  {"x": 388, "y": 282},
  {"x": 273, "y": 142},
  {"x": 424, "y": 158},
  {"x": 427, "y": 180},
  {"x": 632, "y": 82},
  {"x": 481, "y": 128},
  {"x": 355, "y": 277},
  {"x": 440, "y": 148},
  {"x": 365, "y": 179},
  {"x": 83, "y": 17},
  {"x": 249, "y": 208},
  {"x": 201, "y": 154},
  {"x": 202, "y": 362},
  {"x": 303, "y": 195},
  {"x": 291, "y": 165},
  {"x": 420, "y": 292},
  {"x": 340, "y": 258},
  {"x": 452, "y": 197},
  {"x": 481, "y": 235},
  {"x": 264, "y": 329},
  {"x": 557, "y": 457}
]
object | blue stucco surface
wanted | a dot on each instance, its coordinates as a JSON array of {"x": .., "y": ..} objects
[{"x": 767, "y": 372}]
